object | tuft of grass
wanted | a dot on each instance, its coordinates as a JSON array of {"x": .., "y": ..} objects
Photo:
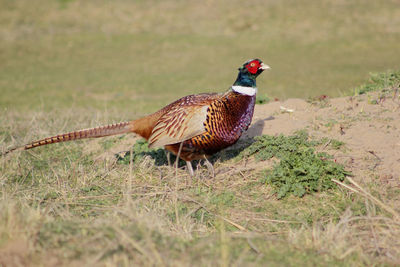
[
  {"x": 336, "y": 144},
  {"x": 385, "y": 81},
  {"x": 262, "y": 99},
  {"x": 300, "y": 170}
]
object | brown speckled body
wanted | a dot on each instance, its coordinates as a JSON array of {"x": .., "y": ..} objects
[{"x": 228, "y": 116}]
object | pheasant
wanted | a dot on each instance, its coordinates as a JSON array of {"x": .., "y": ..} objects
[{"x": 193, "y": 127}]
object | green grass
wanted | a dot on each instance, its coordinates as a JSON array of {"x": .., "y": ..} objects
[
  {"x": 384, "y": 82},
  {"x": 139, "y": 56},
  {"x": 300, "y": 169}
]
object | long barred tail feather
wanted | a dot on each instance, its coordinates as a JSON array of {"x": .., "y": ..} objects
[{"x": 101, "y": 131}]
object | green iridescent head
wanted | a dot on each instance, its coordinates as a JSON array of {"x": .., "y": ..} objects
[{"x": 249, "y": 72}]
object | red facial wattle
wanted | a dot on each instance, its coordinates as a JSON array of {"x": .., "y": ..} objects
[{"x": 253, "y": 66}]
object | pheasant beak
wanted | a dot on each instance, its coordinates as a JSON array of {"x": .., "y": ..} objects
[{"x": 264, "y": 66}]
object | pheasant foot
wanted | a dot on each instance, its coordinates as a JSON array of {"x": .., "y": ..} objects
[{"x": 210, "y": 168}]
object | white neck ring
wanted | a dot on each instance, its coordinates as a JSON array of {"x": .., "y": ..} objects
[{"x": 244, "y": 90}]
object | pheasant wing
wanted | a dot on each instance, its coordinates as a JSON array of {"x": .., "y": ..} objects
[{"x": 180, "y": 123}]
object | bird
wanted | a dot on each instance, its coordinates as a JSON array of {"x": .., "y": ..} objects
[{"x": 193, "y": 127}]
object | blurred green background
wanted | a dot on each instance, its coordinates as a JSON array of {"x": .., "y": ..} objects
[{"x": 141, "y": 55}]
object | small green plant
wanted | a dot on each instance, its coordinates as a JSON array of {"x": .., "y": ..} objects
[
  {"x": 380, "y": 82},
  {"x": 304, "y": 172},
  {"x": 330, "y": 123},
  {"x": 336, "y": 144},
  {"x": 262, "y": 99},
  {"x": 267, "y": 146},
  {"x": 300, "y": 170}
]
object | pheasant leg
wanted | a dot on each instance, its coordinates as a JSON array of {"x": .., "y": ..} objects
[
  {"x": 210, "y": 167},
  {"x": 168, "y": 157},
  {"x": 189, "y": 168}
]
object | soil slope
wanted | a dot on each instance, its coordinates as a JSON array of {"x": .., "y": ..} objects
[{"x": 369, "y": 126}]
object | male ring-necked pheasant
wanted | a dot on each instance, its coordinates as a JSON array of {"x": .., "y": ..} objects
[{"x": 193, "y": 127}]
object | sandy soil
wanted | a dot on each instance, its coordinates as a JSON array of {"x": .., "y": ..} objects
[{"x": 371, "y": 132}]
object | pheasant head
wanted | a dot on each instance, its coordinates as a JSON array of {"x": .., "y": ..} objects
[{"x": 248, "y": 74}]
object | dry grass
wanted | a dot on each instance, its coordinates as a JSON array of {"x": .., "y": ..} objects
[{"x": 73, "y": 204}]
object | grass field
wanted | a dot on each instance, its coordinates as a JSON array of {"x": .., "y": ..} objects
[
  {"x": 68, "y": 65},
  {"x": 141, "y": 55}
]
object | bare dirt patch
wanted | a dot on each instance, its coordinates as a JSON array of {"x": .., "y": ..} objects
[{"x": 369, "y": 127}]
